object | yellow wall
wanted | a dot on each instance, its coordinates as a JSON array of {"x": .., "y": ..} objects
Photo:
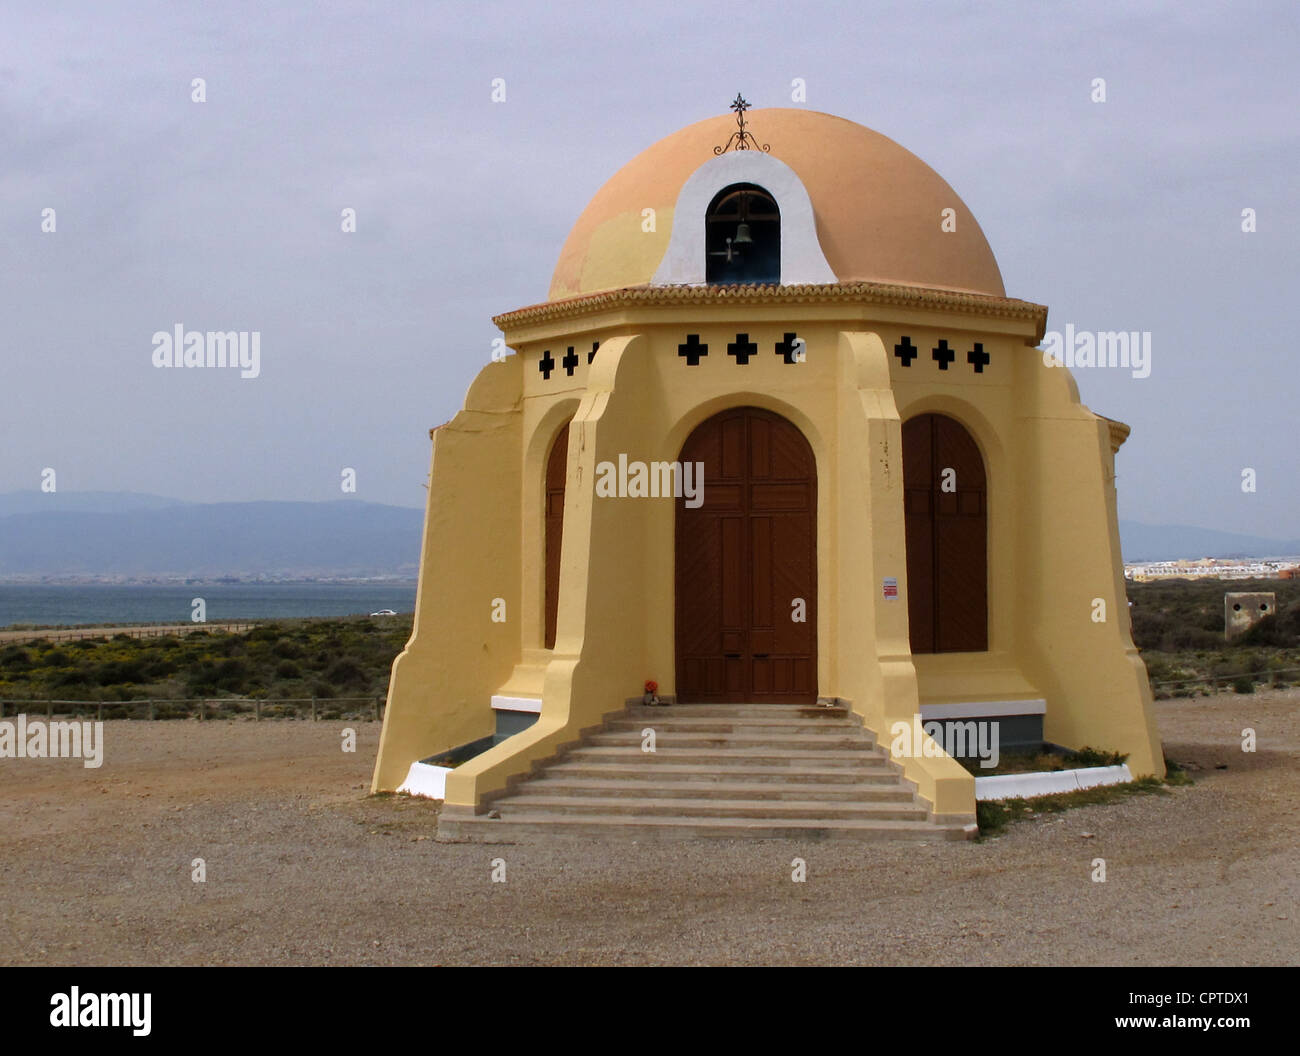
[
  {"x": 442, "y": 681},
  {"x": 1053, "y": 536}
]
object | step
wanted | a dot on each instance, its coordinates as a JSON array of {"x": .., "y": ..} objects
[
  {"x": 760, "y": 755},
  {"x": 879, "y": 773},
  {"x": 742, "y": 711},
  {"x": 543, "y": 826},
  {"x": 517, "y": 808},
  {"x": 552, "y": 784},
  {"x": 675, "y": 739},
  {"x": 768, "y": 727},
  {"x": 724, "y": 771}
]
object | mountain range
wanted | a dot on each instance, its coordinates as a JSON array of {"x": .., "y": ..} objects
[
  {"x": 136, "y": 535},
  {"x": 132, "y": 535}
]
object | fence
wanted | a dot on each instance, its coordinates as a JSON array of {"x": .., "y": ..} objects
[
  {"x": 1216, "y": 681},
  {"x": 331, "y": 707},
  {"x": 275, "y": 708},
  {"x": 141, "y": 631}
]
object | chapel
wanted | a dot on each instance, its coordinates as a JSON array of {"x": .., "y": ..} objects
[{"x": 779, "y": 443}]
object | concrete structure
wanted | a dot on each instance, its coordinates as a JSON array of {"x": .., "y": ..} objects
[
  {"x": 905, "y": 510},
  {"x": 1242, "y": 610}
]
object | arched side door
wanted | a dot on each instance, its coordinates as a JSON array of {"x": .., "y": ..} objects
[
  {"x": 946, "y": 512},
  {"x": 556, "y": 470}
]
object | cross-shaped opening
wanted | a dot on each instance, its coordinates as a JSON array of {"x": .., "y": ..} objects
[
  {"x": 742, "y": 348},
  {"x": 692, "y": 350},
  {"x": 790, "y": 348}
]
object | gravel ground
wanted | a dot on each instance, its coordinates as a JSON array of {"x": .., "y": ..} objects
[{"x": 304, "y": 868}]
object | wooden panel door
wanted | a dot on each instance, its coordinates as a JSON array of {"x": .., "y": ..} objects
[
  {"x": 747, "y": 565},
  {"x": 945, "y": 510},
  {"x": 556, "y": 470}
]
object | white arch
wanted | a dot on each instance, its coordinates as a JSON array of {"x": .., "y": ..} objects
[{"x": 802, "y": 260}]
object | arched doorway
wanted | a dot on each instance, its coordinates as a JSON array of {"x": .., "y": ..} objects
[
  {"x": 556, "y": 470},
  {"x": 746, "y": 570},
  {"x": 946, "y": 512}
]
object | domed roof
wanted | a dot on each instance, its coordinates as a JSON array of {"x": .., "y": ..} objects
[{"x": 878, "y": 208}]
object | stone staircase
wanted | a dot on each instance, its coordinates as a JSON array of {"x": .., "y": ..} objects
[{"x": 756, "y": 771}]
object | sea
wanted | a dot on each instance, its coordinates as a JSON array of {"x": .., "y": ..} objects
[{"x": 56, "y": 604}]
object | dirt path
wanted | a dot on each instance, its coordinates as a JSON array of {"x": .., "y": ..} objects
[{"x": 303, "y": 868}]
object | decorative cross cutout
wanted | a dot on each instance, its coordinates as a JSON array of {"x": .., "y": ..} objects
[
  {"x": 692, "y": 350},
  {"x": 789, "y": 348},
  {"x": 569, "y": 361},
  {"x": 592, "y": 354},
  {"x": 978, "y": 358},
  {"x": 943, "y": 355},
  {"x": 742, "y": 348},
  {"x": 906, "y": 351},
  {"x": 546, "y": 364}
]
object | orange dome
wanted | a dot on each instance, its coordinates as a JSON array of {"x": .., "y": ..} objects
[{"x": 878, "y": 208}]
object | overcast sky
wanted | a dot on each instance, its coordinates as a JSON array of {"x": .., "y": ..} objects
[{"x": 225, "y": 214}]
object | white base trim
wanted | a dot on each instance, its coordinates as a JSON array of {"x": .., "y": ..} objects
[
  {"x": 530, "y": 704},
  {"x": 426, "y": 781},
  {"x": 983, "y": 709},
  {"x": 1025, "y": 786}
]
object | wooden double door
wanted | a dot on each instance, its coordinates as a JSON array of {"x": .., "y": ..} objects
[
  {"x": 946, "y": 514},
  {"x": 746, "y": 569}
]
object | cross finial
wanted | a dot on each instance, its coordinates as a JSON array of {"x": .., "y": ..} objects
[{"x": 742, "y": 138}]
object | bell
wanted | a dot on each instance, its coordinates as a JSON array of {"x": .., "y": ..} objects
[{"x": 742, "y": 235}]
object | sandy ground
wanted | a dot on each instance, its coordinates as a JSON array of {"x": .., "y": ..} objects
[{"x": 304, "y": 868}]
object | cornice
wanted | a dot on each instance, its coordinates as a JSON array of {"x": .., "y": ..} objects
[
  {"x": 849, "y": 293},
  {"x": 1118, "y": 432}
]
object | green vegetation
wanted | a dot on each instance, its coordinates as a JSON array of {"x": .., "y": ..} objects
[
  {"x": 1037, "y": 762},
  {"x": 326, "y": 659},
  {"x": 993, "y": 816},
  {"x": 1178, "y": 626}
]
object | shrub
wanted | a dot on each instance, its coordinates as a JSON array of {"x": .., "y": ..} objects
[
  {"x": 16, "y": 658},
  {"x": 1096, "y": 757},
  {"x": 1244, "y": 684},
  {"x": 346, "y": 672},
  {"x": 159, "y": 669},
  {"x": 287, "y": 669},
  {"x": 116, "y": 671},
  {"x": 232, "y": 675}
]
